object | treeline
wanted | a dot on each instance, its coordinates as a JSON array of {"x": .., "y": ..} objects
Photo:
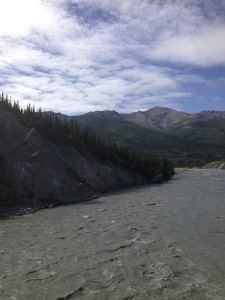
[{"x": 66, "y": 131}]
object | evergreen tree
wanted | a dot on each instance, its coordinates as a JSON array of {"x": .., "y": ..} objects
[{"x": 64, "y": 131}]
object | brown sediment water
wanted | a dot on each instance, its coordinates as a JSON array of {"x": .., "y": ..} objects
[{"x": 153, "y": 242}]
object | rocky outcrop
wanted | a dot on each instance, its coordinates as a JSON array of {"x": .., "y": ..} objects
[
  {"x": 215, "y": 165},
  {"x": 156, "y": 118},
  {"x": 209, "y": 115},
  {"x": 99, "y": 175},
  {"x": 44, "y": 172}
]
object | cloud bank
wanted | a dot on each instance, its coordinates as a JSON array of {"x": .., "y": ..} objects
[{"x": 75, "y": 56}]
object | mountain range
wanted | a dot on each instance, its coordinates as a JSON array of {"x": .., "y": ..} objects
[{"x": 186, "y": 139}]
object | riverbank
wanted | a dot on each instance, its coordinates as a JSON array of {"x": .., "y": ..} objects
[{"x": 161, "y": 242}]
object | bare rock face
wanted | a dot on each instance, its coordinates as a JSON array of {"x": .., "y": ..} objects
[
  {"x": 107, "y": 114},
  {"x": 100, "y": 176},
  {"x": 44, "y": 172},
  {"x": 33, "y": 168},
  {"x": 160, "y": 118},
  {"x": 156, "y": 118}
]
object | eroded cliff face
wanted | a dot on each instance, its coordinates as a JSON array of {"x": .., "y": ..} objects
[{"x": 43, "y": 172}]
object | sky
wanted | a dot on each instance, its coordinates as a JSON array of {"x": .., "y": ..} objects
[{"x": 76, "y": 56}]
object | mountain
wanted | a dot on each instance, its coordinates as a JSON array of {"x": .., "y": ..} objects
[
  {"x": 209, "y": 115},
  {"x": 113, "y": 127},
  {"x": 207, "y": 127},
  {"x": 155, "y": 118},
  {"x": 163, "y": 132}
]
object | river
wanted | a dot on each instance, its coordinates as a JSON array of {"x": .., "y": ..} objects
[{"x": 154, "y": 242}]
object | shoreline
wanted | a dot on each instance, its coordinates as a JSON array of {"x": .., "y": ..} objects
[
  {"x": 160, "y": 241},
  {"x": 7, "y": 212}
]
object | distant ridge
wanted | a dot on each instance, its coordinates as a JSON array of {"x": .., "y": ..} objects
[
  {"x": 156, "y": 118},
  {"x": 186, "y": 139}
]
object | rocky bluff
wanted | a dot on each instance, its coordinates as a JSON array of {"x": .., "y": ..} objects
[{"x": 43, "y": 172}]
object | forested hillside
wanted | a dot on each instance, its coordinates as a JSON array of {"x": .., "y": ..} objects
[
  {"x": 181, "y": 149},
  {"x": 47, "y": 135},
  {"x": 205, "y": 131}
]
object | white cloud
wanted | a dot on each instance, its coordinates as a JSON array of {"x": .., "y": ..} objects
[
  {"x": 205, "y": 48},
  {"x": 19, "y": 17},
  {"x": 196, "y": 79},
  {"x": 96, "y": 55}
]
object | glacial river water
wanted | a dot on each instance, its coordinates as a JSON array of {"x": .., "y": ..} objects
[{"x": 152, "y": 242}]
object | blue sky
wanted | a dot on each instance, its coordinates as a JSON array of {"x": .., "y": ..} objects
[{"x": 76, "y": 56}]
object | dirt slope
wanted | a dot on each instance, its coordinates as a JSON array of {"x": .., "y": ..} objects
[{"x": 42, "y": 171}]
